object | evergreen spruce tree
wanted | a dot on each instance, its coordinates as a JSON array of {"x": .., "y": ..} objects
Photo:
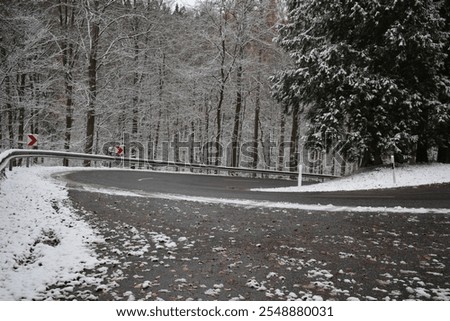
[
  {"x": 443, "y": 116},
  {"x": 370, "y": 72}
]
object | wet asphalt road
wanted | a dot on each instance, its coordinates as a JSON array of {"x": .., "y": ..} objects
[
  {"x": 161, "y": 249},
  {"x": 433, "y": 196}
]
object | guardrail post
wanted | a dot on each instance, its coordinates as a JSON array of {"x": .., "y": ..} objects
[
  {"x": 11, "y": 165},
  {"x": 28, "y": 161}
]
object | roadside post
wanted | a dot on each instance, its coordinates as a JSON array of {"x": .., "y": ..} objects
[{"x": 300, "y": 174}]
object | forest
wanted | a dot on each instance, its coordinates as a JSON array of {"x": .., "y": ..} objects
[{"x": 252, "y": 83}]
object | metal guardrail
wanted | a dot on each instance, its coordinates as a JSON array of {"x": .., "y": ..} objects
[{"x": 9, "y": 155}]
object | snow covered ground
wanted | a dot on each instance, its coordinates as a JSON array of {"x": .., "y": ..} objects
[
  {"x": 378, "y": 179},
  {"x": 42, "y": 241}
]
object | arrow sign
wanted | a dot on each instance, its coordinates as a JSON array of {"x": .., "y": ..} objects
[
  {"x": 119, "y": 150},
  {"x": 32, "y": 140}
]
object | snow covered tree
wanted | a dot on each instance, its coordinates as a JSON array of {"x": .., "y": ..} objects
[
  {"x": 369, "y": 73},
  {"x": 27, "y": 73},
  {"x": 443, "y": 119},
  {"x": 66, "y": 13},
  {"x": 86, "y": 73}
]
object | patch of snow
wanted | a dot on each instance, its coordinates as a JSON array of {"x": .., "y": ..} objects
[
  {"x": 441, "y": 294},
  {"x": 162, "y": 241},
  {"x": 422, "y": 293},
  {"x": 252, "y": 283},
  {"x": 319, "y": 273},
  {"x": 211, "y": 292},
  {"x": 408, "y": 272},
  {"x": 146, "y": 284},
  {"x": 271, "y": 274},
  {"x": 378, "y": 179},
  {"x": 42, "y": 241},
  {"x": 344, "y": 255},
  {"x": 306, "y": 207},
  {"x": 109, "y": 191}
]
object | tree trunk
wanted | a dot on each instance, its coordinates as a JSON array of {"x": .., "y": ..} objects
[
  {"x": 256, "y": 120},
  {"x": 423, "y": 143},
  {"x": 223, "y": 79},
  {"x": 176, "y": 141},
  {"x": 422, "y": 150},
  {"x": 2, "y": 58},
  {"x": 92, "y": 95},
  {"x": 237, "y": 119},
  {"x": 69, "y": 119},
  {"x": 9, "y": 111},
  {"x": 11, "y": 114},
  {"x": 282, "y": 142},
  {"x": 66, "y": 22},
  {"x": 21, "y": 91},
  {"x": 371, "y": 157},
  {"x": 166, "y": 144},
  {"x": 135, "y": 124},
  {"x": 68, "y": 79},
  {"x": 205, "y": 139},
  {"x": 161, "y": 73},
  {"x": 1, "y": 127},
  {"x": 176, "y": 146},
  {"x": 11, "y": 118},
  {"x": 219, "y": 122},
  {"x": 192, "y": 144},
  {"x": 293, "y": 149},
  {"x": 443, "y": 154},
  {"x": 158, "y": 129}
]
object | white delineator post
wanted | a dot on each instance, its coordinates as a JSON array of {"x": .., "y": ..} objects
[
  {"x": 300, "y": 174},
  {"x": 393, "y": 169}
]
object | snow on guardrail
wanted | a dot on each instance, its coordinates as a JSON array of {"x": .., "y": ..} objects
[{"x": 8, "y": 155}]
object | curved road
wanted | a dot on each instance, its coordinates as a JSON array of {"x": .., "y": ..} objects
[
  {"x": 432, "y": 196},
  {"x": 202, "y": 250}
]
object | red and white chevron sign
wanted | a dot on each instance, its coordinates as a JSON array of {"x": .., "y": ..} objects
[{"x": 32, "y": 140}]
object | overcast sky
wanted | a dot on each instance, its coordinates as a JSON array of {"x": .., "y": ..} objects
[{"x": 187, "y": 3}]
